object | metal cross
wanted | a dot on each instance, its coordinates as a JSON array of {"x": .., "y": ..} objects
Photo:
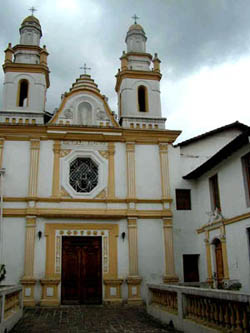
[
  {"x": 33, "y": 9},
  {"x": 85, "y": 68},
  {"x": 135, "y": 18}
]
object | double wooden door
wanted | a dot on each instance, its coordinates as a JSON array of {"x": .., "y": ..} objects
[{"x": 81, "y": 270}]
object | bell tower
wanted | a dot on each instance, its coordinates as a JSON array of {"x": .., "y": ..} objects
[
  {"x": 138, "y": 84},
  {"x": 26, "y": 76}
]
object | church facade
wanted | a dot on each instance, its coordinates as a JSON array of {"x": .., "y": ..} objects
[{"x": 89, "y": 200}]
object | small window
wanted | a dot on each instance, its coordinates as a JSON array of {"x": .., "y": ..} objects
[
  {"x": 183, "y": 199},
  {"x": 214, "y": 193},
  {"x": 142, "y": 102},
  {"x": 23, "y": 93},
  {"x": 191, "y": 267},
  {"x": 246, "y": 176}
]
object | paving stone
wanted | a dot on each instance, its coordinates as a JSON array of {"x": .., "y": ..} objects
[{"x": 91, "y": 319}]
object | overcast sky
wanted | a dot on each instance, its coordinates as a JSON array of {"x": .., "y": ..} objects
[{"x": 204, "y": 47}]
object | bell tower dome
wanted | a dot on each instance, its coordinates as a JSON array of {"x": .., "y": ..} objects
[
  {"x": 26, "y": 76},
  {"x": 138, "y": 83}
]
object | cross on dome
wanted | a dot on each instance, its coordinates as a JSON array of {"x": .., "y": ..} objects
[
  {"x": 33, "y": 9},
  {"x": 85, "y": 68},
  {"x": 135, "y": 17}
]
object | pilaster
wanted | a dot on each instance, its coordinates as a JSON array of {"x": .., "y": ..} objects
[
  {"x": 224, "y": 253},
  {"x": 170, "y": 276},
  {"x": 1, "y": 151},
  {"x": 56, "y": 169},
  {"x": 113, "y": 290},
  {"x": 28, "y": 281},
  {"x": 165, "y": 184},
  {"x": 131, "y": 184},
  {"x": 34, "y": 167},
  {"x": 133, "y": 280},
  {"x": 111, "y": 174},
  {"x": 208, "y": 256},
  {"x": 50, "y": 295}
]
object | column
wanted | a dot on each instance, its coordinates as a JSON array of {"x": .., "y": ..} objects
[
  {"x": 224, "y": 256},
  {"x": 165, "y": 186},
  {"x": 209, "y": 260},
  {"x": 170, "y": 276},
  {"x": 1, "y": 152},
  {"x": 34, "y": 167},
  {"x": 28, "y": 281},
  {"x": 56, "y": 169},
  {"x": 111, "y": 175},
  {"x": 131, "y": 185},
  {"x": 133, "y": 280}
]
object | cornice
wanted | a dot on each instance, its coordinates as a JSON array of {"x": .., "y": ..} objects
[
  {"x": 28, "y": 68},
  {"x": 136, "y": 74}
]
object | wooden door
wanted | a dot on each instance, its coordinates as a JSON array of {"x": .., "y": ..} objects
[
  {"x": 219, "y": 261},
  {"x": 81, "y": 270},
  {"x": 191, "y": 268}
]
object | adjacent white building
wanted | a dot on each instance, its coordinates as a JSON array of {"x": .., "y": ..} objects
[{"x": 95, "y": 207}]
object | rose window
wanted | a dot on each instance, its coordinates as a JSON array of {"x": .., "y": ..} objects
[{"x": 83, "y": 175}]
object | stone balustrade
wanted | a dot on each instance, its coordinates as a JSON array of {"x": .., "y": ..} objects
[
  {"x": 11, "y": 306},
  {"x": 198, "y": 309}
]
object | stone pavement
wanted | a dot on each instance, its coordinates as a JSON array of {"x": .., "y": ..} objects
[{"x": 79, "y": 319}]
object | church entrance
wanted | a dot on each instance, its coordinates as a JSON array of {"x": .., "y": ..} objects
[{"x": 81, "y": 270}]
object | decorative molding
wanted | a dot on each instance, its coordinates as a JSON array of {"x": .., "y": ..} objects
[
  {"x": 64, "y": 193},
  {"x": 34, "y": 167},
  {"x": 104, "y": 154},
  {"x": 65, "y": 152},
  {"x": 101, "y": 195},
  {"x": 109, "y": 232}
]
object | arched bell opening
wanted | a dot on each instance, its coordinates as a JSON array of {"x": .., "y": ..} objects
[{"x": 23, "y": 89}]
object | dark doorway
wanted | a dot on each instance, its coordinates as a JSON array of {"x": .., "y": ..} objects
[
  {"x": 81, "y": 270},
  {"x": 191, "y": 268}
]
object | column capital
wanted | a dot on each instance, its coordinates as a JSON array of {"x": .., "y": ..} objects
[
  {"x": 130, "y": 146},
  {"x": 57, "y": 146},
  {"x": 167, "y": 222},
  {"x": 2, "y": 142},
  {"x": 163, "y": 147},
  {"x": 34, "y": 143},
  {"x": 132, "y": 222},
  {"x": 30, "y": 221}
]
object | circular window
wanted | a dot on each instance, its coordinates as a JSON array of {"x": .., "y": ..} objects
[{"x": 83, "y": 175}]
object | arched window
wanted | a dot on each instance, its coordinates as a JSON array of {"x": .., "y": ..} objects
[
  {"x": 23, "y": 93},
  {"x": 142, "y": 98}
]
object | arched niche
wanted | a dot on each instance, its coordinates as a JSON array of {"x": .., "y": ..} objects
[
  {"x": 85, "y": 113},
  {"x": 22, "y": 95}
]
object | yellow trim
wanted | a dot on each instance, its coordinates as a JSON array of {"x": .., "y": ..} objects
[
  {"x": 225, "y": 258},
  {"x": 208, "y": 257},
  {"x": 34, "y": 167},
  {"x": 50, "y": 300},
  {"x": 111, "y": 171},
  {"x": 28, "y": 284},
  {"x": 50, "y": 233},
  {"x": 164, "y": 165},
  {"x": 217, "y": 224},
  {"x": 132, "y": 246},
  {"x": 26, "y": 132},
  {"x": 131, "y": 182},
  {"x": 29, "y": 247},
  {"x": 135, "y": 74},
  {"x": 56, "y": 169},
  {"x": 112, "y": 283},
  {"x": 19, "y": 90},
  {"x": 146, "y": 99},
  {"x": 27, "y": 68},
  {"x": 1, "y": 151},
  {"x": 86, "y": 213}
]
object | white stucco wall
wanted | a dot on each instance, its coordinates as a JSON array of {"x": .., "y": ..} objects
[
  {"x": 16, "y": 157},
  {"x": 14, "y": 237},
  {"x": 120, "y": 170},
  {"x": 147, "y": 164},
  {"x": 150, "y": 252},
  {"x": 45, "y": 176}
]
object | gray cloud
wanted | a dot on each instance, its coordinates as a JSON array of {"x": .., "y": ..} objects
[{"x": 186, "y": 34}]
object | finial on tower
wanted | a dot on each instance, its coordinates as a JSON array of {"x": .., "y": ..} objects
[
  {"x": 135, "y": 17},
  {"x": 85, "y": 68},
  {"x": 33, "y": 9}
]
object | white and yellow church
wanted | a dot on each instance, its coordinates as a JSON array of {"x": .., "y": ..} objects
[{"x": 89, "y": 199}]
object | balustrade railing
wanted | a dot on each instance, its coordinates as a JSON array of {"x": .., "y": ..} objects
[{"x": 224, "y": 311}]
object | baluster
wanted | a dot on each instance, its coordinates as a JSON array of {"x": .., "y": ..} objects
[
  {"x": 216, "y": 312},
  {"x": 208, "y": 311},
  {"x": 238, "y": 319},
  {"x": 221, "y": 316},
  {"x": 188, "y": 306},
  {"x": 244, "y": 320},
  {"x": 199, "y": 308},
  {"x": 232, "y": 316},
  {"x": 213, "y": 310},
  {"x": 226, "y": 316},
  {"x": 202, "y": 305}
]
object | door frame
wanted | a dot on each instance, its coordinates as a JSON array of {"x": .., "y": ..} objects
[{"x": 102, "y": 273}]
